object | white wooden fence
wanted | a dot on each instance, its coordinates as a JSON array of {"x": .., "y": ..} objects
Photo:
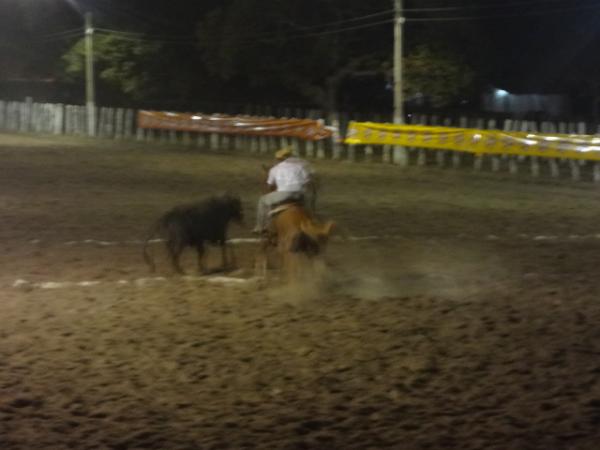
[{"x": 120, "y": 123}]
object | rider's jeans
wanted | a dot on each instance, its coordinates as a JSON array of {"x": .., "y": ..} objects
[{"x": 269, "y": 200}]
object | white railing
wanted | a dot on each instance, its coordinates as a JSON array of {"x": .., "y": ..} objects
[{"x": 120, "y": 123}]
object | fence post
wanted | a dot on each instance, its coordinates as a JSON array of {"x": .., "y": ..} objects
[
  {"x": 575, "y": 171},
  {"x": 130, "y": 123},
  {"x": 172, "y": 137},
  {"x": 45, "y": 118},
  {"x": 582, "y": 129},
  {"x": 573, "y": 164},
  {"x": 254, "y": 144},
  {"x": 320, "y": 144},
  {"x": 351, "y": 153},
  {"x": 335, "y": 138},
  {"x": 74, "y": 119},
  {"x": 263, "y": 144},
  {"x": 68, "y": 119},
  {"x": 596, "y": 172},
  {"x": 369, "y": 153},
  {"x": 309, "y": 146},
  {"x": 535, "y": 164},
  {"x": 82, "y": 121},
  {"x": 201, "y": 140},
  {"x": 463, "y": 122},
  {"x": 548, "y": 127},
  {"x": 415, "y": 119},
  {"x": 2, "y": 115},
  {"x": 119, "y": 123},
  {"x": 24, "y": 116},
  {"x": 75, "y": 110},
  {"x": 386, "y": 156},
  {"x": 186, "y": 139},
  {"x": 139, "y": 134},
  {"x": 513, "y": 166},
  {"x": 35, "y": 118},
  {"x": 296, "y": 146},
  {"x": 491, "y": 125},
  {"x": 309, "y": 149},
  {"x": 110, "y": 122},
  {"x": 225, "y": 141},
  {"x": 239, "y": 142},
  {"x": 16, "y": 116},
  {"x": 101, "y": 117}
]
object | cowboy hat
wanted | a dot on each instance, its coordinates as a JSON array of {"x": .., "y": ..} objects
[{"x": 283, "y": 153}]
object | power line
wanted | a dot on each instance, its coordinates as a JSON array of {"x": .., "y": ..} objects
[
  {"x": 444, "y": 18},
  {"x": 489, "y": 6},
  {"x": 130, "y": 13},
  {"x": 133, "y": 34},
  {"x": 250, "y": 39},
  {"x": 341, "y": 30},
  {"x": 62, "y": 33},
  {"x": 271, "y": 33},
  {"x": 64, "y": 37},
  {"x": 354, "y": 19},
  {"x": 144, "y": 38},
  {"x": 503, "y": 16}
]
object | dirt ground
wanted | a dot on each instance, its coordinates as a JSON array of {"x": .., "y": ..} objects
[{"x": 467, "y": 317}]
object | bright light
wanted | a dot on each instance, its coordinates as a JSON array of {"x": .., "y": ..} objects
[{"x": 501, "y": 93}]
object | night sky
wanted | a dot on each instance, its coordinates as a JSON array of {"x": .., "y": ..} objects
[{"x": 532, "y": 46}]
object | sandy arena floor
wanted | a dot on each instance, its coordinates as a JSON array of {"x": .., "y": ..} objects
[{"x": 467, "y": 320}]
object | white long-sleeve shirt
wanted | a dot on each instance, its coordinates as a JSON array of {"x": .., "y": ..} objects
[{"x": 290, "y": 175}]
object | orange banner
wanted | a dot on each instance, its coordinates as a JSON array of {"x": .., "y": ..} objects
[{"x": 307, "y": 129}]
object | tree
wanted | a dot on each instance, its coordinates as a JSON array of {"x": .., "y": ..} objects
[
  {"x": 278, "y": 46},
  {"x": 282, "y": 47},
  {"x": 436, "y": 74},
  {"x": 127, "y": 67}
]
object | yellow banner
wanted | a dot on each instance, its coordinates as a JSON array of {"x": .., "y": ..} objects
[{"x": 481, "y": 142}]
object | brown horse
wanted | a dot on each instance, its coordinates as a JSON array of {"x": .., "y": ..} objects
[{"x": 296, "y": 236}]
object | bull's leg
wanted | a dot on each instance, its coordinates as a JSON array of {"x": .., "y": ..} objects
[
  {"x": 175, "y": 247},
  {"x": 224, "y": 261},
  {"x": 231, "y": 263},
  {"x": 200, "y": 255}
]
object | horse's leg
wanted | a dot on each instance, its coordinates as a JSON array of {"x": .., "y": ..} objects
[
  {"x": 293, "y": 266},
  {"x": 260, "y": 265}
]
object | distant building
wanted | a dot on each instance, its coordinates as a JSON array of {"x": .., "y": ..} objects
[{"x": 526, "y": 105}]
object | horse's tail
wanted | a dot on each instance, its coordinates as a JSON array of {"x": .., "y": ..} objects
[
  {"x": 311, "y": 237},
  {"x": 317, "y": 231}
]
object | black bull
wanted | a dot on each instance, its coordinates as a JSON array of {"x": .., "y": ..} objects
[{"x": 193, "y": 226}]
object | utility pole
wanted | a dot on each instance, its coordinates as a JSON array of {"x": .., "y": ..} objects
[
  {"x": 89, "y": 76},
  {"x": 400, "y": 156}
]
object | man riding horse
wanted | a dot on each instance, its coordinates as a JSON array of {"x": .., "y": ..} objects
[
  {"x": 285, "y": 215},
  {"x": 291, "y": 180}
]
